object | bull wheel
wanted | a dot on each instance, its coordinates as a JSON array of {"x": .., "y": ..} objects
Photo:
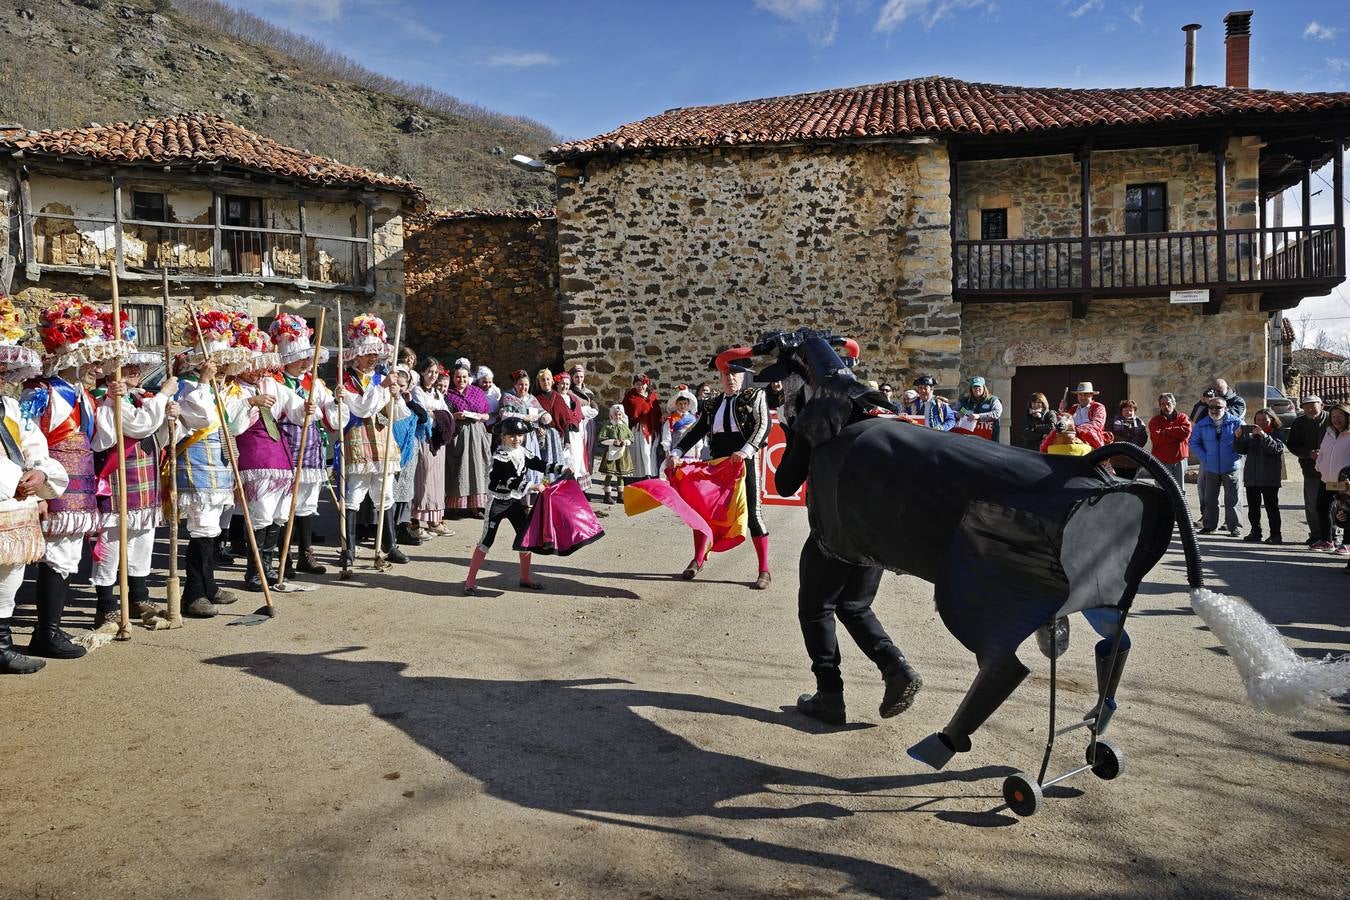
[
  {"x": 1022, "y": 794},
  {"x": 1107, "y": 762}
]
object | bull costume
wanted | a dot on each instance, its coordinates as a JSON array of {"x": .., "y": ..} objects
[
  {"x": 737, "y": 422},
  {"x": 292, "y": 334},
  {"x": 146, "y": 428},
  {"x": 361, "y": 414},
  {"x": 205, "y": 482},
  {"x": 72, "y": 333},
  {"x": 28, "y": 475}
]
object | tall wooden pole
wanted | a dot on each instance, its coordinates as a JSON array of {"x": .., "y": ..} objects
[
  {"x": 234, "y": 469},
  {"x": 300, "y": 451},
  {"x": 388, "y": 441},
  {"x": 173, "y": 591},
  {"x": 340, "y": 450},
  {"x": 124, "y": 622}
]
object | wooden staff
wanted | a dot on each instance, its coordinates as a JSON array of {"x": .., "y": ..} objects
[
  {"x": 388, "y": 440},
  {"x": 340, "y": 448},
  {"x": 389, "y": 437},
  {"x": 124, "y": 622},
  {"x": 269, "y": 609},
  {"x": 300, "y": 453},
  {"x": 172, "y": 588}
]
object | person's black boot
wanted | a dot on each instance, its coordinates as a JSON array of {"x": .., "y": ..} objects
[
  {"x": 391, "y": 550},
  {"x": 48, "y": 639},
  {"x": 220, "y": 551},
  {"x": 107, "y": 606},
  {"x": 306, "y": 561},
  {"x": 199, "y": 555},
  {"x": 1253, "y": 536},
  {"x": 252, "y": 577},
  {"x": 12, "y": 662},
  {"x": 902, "y": 685},
  {"x": 238, "y": 536},
  {"x": 347, "y": 558},
  {"x": 408, "y": 537},
  {"x": 826, "y": 706},
  {"x": 271, "y": 562},
  {"x": 1108, "y": 679}
]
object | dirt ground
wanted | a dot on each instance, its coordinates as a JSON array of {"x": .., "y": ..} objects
[{"x": 627, "y": 734}]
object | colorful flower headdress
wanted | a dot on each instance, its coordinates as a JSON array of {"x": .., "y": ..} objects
[
  {"x": 21, "y": 363},
  {"x": 262, "y": 355},
  {"x": 366, "y": 334},
  {"x": 215, "y": 329},
  {"x": 292, "y": 334},
  {"x": 72, "y": 334}
]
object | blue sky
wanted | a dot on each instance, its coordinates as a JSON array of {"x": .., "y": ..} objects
[{"x": 585, "y": 67}]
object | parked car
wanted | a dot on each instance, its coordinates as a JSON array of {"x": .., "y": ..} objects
[{"x": 1282, "y": 405}]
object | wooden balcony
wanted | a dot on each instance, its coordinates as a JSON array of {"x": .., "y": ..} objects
[{"x": 1282, "y": 264}]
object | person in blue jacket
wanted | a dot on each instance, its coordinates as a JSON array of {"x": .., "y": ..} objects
[
  {"x": 936, "y": 411},
  {"x": 1212, "y": 444}
]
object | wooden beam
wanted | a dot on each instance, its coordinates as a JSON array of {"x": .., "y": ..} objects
[
  {"x": 1306, "y": 201},
  {"x": 304, "y": 243},
  {"x": 1215, "y": 304},
  {"x": 31, "y": 270},
  {"x": 118, "y": 225},
  {"x": 1080, "y": 305}
]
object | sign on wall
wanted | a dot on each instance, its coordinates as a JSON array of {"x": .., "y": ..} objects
[
  {"x": 768, "y": 466},
  {"x": 1196, "y": 296}
]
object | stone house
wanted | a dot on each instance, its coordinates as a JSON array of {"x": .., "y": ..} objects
[
  {"x": 1315, "y": 361},
  {"x": 1036, "y": 236},
  {"x": 233, "y": 218}
]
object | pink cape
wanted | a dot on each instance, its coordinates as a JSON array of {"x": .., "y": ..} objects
[
  {"x": 708, "y": 496},
  {"x": 562, "y": 521}
]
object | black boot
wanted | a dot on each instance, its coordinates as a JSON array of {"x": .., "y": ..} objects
[
  {"x": 291, "y": 551},
  {"x": 391, "y": 551},
  {"x": 269, "y": 553},
  {"x": 902, "y": 684},
  {"x": 347, "y": 558},
  {"x": 1253, "y": 536},
  {"x": 408, "y": 537},
  {"x": 48, "y": 638},
  {"x": 827, "y": 706},
  {"x": 306, "y": 561},
  {"x": 107, "y": 606},
  {"x": 1108, "y": 679},
  {"x": 252, "y": 577},
  {"x": 199, "y": 555},
  {"x": 993, "y": 684},
  {"x": 238, "y": 537},
  {"x": 12, "y": 662},
  {"x": 220, "y": 551}
]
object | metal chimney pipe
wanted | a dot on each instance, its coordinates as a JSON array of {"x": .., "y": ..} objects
[{"x": 1190, "y": 30}]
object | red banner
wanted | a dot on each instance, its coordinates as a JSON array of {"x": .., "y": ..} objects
[{"x": 768, "y": 461}]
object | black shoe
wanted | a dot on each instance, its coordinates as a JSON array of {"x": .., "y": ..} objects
[
  {"x": 53, "y": 643},
  {"x": 1208, "y": 530},
  {"x": 408, "y": 537},
  {"x": 12, "y": 662},
  {"x": 1274, "y": 540},
  {"x": 827, "y": 707},
  {"x": 902, "y": 684},
  {"x": 1253, "y": 537},
  {"x": 396, "y": 556}
]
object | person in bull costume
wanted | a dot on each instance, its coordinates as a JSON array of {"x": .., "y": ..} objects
[
  {"x": 147, "y": 423},
  {"x": 28, "y": 475},
  {"x": 292, "y": 334},
  {"x": 734, "y": 424}
]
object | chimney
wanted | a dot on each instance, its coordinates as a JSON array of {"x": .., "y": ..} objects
[
  {"x": 1190, "y": 30},
  {"x": 1237, "y": 44}
]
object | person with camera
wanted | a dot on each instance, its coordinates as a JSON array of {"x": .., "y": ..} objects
[{"x": 1261, "y": 446}]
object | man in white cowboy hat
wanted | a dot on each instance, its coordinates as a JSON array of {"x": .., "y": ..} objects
[
  {"x": 1087, "y": 411},
  {"x": 63, "y": 409},
  {"x": 364, "y": 402},
  {"x": 147, "y": 424},
  {"x": 28, "y": 475},
  {"x": 292, "y": 334}
]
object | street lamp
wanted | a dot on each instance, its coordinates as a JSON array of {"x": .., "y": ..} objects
[{"x": 529, "y": 164}]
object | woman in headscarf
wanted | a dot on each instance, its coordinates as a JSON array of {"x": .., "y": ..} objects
[
  {"x": 409, "y": 432},
  {"x": 643, "y": 407},
  {"x": 552, "y": 450},
  {"x": 566, "y": 410},
  {"x": 471, "y": 451},
  {"x": 484, "y": 378},
  {"x": 428, "y": 507},
  {"x": 519, "y": 403}
]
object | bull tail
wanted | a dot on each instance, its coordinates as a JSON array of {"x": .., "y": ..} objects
[{"x": 1276, "y": 678}]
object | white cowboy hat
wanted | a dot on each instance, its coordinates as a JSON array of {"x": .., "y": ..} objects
[{"x": 1084, "y": 387}]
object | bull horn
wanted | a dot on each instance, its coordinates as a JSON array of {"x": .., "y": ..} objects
[
  {"x": 723, "y": 360},
  {"x": 851, "y": 347}
]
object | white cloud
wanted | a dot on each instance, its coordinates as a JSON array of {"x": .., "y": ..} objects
[
  {"x": 1338, "y": 63},
  {"x": 895, "y": 13},
  {"x": 314, "y": 10},
  {"x": 523, "y": 60},
  {"x": 1137, "y": 14},
  {"x": 1319, "y": 32},
  {"x": 1086, "y": 7},
  {"x": 794, "y": 10},
  {"x": 818, "y": 18}
]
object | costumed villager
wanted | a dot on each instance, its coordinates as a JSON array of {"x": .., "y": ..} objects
[
  {"x": 734, "y": 424},
  {"x": 508, "y": 485},
  {"x": 1011, "y": 541},
  {"x": 365, "y": 403},
  {"x": 147, "y": 427},
  {"x": 552, "y": 444},
  {"x": 291, "y": 334},
  {"x": 681, "y": 418},
  {"x": 592, "y": 410},
  {"x": 429, "y": 487},
  {"x": 487, "y": 383},
  {"x": 466, "y": 485},
  {"x": 409, "y": 432},
  {"x": 928, "y": 408},
  {"x": 72, "y": 334},
  {"x": 519, "y": 403},
  {"x": 643, "y": 407},
  {"x": 28, "y": 475},
  {"x": 206, "y": 487},
  {"x": 566, "y": 416},
  {"x": 614, "y": 439}
]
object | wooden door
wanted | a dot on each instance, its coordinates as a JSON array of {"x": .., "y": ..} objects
[{"x": 1107, "y": 378}]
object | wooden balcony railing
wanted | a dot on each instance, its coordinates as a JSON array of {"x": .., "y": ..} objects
[{"x": 1252, "y": 258}]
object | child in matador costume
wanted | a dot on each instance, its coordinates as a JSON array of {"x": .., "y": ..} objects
[{"x": 292, "y": 334}]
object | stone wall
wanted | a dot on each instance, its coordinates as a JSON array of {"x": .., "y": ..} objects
[
  {"x": 664, "y": 260},
  {"x": 485, "y": 286}
]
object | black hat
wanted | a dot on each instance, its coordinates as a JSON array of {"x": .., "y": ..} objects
[
  {"x": 1210, "y": 393},
  {"x": 513, "y": 425},
  {"x": 925, "y": 379}
]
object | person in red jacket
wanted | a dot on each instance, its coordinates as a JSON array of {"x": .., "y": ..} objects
[
  {"x": 1089, "y": 416},
  {"x": 567, "y": 419},
  {"x": 643, "y": 408},
  {"x": 1170, "y": 432}
]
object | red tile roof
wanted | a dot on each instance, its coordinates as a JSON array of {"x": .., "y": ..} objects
[
  {"x": 1287, "y": 332},
  {"x": 1331, "y": 388},
  {"x": 198, "y": 137},
  {"x": 937, "y": 106}
]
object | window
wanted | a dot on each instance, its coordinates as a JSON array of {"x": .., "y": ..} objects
[
  {"x": 993, "y": 224},
  {"x": 148, "y": 207},
  {"x": 149, "y": 323},
  {"x": 1145, "y": 208}
]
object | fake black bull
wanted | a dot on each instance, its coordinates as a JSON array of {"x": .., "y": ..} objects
[{"x": 1010, "y": 539}]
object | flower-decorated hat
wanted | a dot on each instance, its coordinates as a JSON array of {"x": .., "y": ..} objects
[
  {"x": 21, "y": 363},
  {"x": 133, "y": 356},
  {"x": 215, "y": 329},
  {"x": 291, "y": 334},
  {"x": 261, "y": 354},
  {"x": 366, "y": 335},
  {"x": 72, "y": 335}
]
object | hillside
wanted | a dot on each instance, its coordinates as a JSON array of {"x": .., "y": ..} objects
[{"x": 70, "y": 62}]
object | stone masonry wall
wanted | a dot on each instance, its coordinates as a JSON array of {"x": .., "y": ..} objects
[
  {"x": 486, "y": 287},
  {"x": 664, "y": 260}
]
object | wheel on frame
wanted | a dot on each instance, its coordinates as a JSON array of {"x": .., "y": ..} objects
[
  {"x": 1022, "y": 794},
  {"x": 1107, "y": 760}
]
